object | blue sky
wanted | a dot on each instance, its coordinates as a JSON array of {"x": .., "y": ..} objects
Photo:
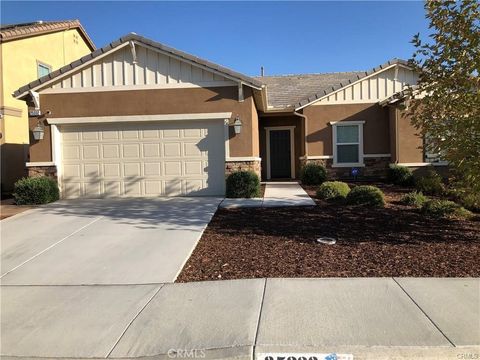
[{"x": 284, "y": 37}]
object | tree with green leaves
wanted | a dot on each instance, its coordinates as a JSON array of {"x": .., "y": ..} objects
[{"x": 446, "y": 101}]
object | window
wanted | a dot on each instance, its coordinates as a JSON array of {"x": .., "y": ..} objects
[
  {"x": 43, "y": 69},
  {"x": 348, "y": 143},
  {"x": 432, "y": 152}
]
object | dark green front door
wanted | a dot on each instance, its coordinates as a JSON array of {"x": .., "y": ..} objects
[{"x": 280, "y": 156}]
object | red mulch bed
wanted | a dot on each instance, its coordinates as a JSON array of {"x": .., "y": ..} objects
[{"x": 280, "y": 242}]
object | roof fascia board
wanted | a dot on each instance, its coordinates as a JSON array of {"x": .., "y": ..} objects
[
  {"x": 351, "y": 84},
  {"x": 71, "y": 71},
  {"x": 180, "y": 58}
]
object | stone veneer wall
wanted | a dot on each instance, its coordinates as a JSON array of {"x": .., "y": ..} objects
[
  {"x": 375, "y": 168},
  {"x": 252, "y": 165},
  {"x": 36, "y": 171}
]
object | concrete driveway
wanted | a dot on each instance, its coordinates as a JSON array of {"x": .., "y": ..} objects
[{"x": 88, "y": 242}]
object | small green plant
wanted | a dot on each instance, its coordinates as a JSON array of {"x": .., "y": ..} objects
[
  {"x": 243, "y": 184},
  {"x": 400, "y": 175},
  {"x": 366, "y": 195},
  {"x": 445, "y": 208},
  {"x": 465, "y": 196},
  {"x": 414, "y": 198},
  {"x": 333, "y": 190},
  {"x": 430, "y": 184},
  {"x": 35, "y": 191},
  {"x": 313, "y": 174}
]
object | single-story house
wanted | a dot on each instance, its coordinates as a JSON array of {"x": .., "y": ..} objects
[{"x": 138, "y": 118}]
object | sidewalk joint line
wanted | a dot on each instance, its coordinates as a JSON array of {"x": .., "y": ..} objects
[
  {"x": 133, "y": 319},
  {"x": 424, "y": 313},
  {"x": 51, "y": 246},
  {"x": 259, "y": 318}
]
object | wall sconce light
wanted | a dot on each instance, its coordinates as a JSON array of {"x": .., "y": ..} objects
[
  {"x": 38, "y": 132},
  {"x": 237, "y": 125}
]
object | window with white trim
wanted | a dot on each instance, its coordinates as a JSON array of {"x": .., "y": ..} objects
[
  {"x": 348, "y": 143},
  {"x": 43, "y": 69}
]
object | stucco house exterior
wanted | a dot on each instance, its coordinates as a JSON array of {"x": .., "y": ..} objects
[
  {"x": 27, "y": 52},
  {"x": 138, "y": 118}
]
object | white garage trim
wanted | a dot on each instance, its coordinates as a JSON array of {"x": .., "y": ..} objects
[{"x": 138, "y": 118}]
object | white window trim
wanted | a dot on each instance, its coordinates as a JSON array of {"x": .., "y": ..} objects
[
  {"x": 335, "y": 124},
  {"x": 45, "y": 65},
  {"x": 292, "y": 148}
]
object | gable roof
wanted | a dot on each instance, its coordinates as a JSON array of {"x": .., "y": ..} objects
[
  {"x": 24, "y": 30},
  {"x": 76, "y": 65},
  {"x": 329, "y": 89},
  {"x": 287, "y": 91}
]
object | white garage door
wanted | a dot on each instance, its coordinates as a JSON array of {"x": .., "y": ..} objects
[{"x": 143, "y": 159}]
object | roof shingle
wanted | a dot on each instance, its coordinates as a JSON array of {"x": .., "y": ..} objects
[
  {"x": 23, "y": 30},
  {"x": 286, "y": 91}
]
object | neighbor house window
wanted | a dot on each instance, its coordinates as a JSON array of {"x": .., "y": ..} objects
[
  {"x": 348, "y": 143},
  {"x": 43, "y": 69}
]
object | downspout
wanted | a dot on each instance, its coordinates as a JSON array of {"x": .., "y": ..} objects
[{"x": 304, "y": 117}]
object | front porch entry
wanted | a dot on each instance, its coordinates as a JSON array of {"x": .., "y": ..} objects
[{"x": 280, "y": 152}]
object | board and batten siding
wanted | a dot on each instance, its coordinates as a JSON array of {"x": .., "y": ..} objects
[
  {"x": 374, "y": 88},
  {"x": 151, "y": 68}
]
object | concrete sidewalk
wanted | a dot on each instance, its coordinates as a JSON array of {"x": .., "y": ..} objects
[
  {"x": 371, "y": 318},
  {"x": 276, "y": 194}
]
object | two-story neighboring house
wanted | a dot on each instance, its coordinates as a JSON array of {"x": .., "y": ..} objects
[{"x": 29, "y": 51}]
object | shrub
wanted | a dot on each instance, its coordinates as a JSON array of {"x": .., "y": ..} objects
[
  {"x": 466, "y": 196},
  {"x": 414, "y": 198},
  {"x": 243, "y": 184},
  {"x": 313, "y": 174},
  {"x": 430, "y": 184},
  {"x": 366, "y": 195},
  {"x": 400, "y": 175},
  {"x": 35, "y": 191},
  {"x": 445, "y": 208},
  {"x": 333, "y": 190}
]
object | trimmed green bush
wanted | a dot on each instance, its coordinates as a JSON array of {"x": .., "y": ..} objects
[
  {"x": 36, "y": 191},
  {"x": 445, "y": 208},
  {"x": 400, "y": 175},
  {"x": 366, "y": 195},
  {"x": 243, "y": 184},
  {"x": 313, "y": 174},
  {"x": 430, "y": 184},
  {"x": 333, "y": 190},
  {"x": 414, "y": 198}
]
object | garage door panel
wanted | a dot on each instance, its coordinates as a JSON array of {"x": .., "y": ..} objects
[
  {"x": 151, "y": 150},
  {"x": 112, "y": 188},
  {"x": 152, "y": 169},
  {"x": 110, "y": 135},
  {"x": 131, "y": 150},
  {"x": 91, "y": 152},
  {"x": 149, "y": 159},
  {"x": 110, "y": 151}
]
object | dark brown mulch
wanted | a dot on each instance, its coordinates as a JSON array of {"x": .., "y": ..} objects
[{"x": 280, "y": 242}]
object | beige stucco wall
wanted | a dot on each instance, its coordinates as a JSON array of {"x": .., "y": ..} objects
[{"x": 409, "y": 142}]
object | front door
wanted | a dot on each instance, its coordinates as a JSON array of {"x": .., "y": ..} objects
[{"x": 280, "y": 154}]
